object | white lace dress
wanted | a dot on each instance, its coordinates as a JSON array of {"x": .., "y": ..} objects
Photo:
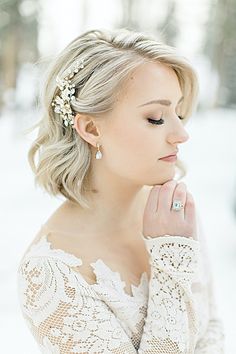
[{"x": 172, "y": 313}]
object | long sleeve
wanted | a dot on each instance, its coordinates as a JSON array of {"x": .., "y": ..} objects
[
  {"x": 213, "y": 339},
  {"x": 65, "y": 317},
  {"x": 171, "y": 323}
]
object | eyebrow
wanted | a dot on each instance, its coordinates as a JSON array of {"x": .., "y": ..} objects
[{"x": 160, "y": 101}]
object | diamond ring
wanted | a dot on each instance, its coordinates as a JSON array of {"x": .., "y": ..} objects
[{"x": 177, "y": 205}]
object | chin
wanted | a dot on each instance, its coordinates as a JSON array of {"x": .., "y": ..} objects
[
  {"x": 159, "y": 182},
  {"x": 161, "y": 178}
]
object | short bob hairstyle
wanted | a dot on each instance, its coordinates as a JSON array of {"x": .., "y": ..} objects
[{"x": 63, "y": 166}]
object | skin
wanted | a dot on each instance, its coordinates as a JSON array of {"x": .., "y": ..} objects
[{"x": 132, "y": 187}]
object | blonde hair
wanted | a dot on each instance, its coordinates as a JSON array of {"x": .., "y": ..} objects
[{"x": 111, "y": 55}]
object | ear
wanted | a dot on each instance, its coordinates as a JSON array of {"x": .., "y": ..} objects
[{"x": 86, "y": 126}]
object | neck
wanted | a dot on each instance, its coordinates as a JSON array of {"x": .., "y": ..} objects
[{"x": 114, "y": 208}]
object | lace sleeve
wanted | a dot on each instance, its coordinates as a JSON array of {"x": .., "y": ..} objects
[
  {"x": 171, "y": 322},
  {"x": 213, "y": 339},
  {"x": 65, "y": 317}
]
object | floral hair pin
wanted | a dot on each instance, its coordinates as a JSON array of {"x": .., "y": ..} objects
[{"x": 61, "y": 103}]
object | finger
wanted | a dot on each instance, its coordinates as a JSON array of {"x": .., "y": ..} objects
[
  {"x": 189, "y": 208},
  {"x": 166, "y": 195},
  {"x": 151, "y": 205},
  {"x": 180, "y": 195}
]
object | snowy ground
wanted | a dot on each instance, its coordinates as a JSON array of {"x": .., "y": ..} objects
[{"x": 210, "y": 156}]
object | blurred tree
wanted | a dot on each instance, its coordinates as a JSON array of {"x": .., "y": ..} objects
[
  {"x": 166, "y": 28},
  {"x": 18, "y": 38},
  {"x": 85, "y": 13},
  {"x": 169, "y": 26},
  {"x": 220, "y": 47},
  {"x": 128, "y": 18}
]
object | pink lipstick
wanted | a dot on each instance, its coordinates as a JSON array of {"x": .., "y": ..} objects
[{"x": 171, "y": 158}]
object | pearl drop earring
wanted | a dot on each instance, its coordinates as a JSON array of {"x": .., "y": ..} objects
[{"x": 98, "y": 153}]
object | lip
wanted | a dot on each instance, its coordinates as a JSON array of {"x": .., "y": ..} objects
[
  {"x": 173, "y": 154},
  {"x": 170, "y": 158}
]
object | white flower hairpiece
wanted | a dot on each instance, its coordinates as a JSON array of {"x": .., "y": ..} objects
[{"x": 61, "y": 103}]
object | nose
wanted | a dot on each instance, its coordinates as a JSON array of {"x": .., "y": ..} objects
[{"x": 178, "y": 133}]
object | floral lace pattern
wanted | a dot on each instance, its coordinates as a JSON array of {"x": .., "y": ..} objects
[{"x": 65, "y": 314}]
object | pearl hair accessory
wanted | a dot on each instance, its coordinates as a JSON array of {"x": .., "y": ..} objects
[{"x": 61, "y": 103}]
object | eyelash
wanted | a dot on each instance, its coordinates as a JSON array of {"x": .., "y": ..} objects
[{"x": 156, "y": 121}]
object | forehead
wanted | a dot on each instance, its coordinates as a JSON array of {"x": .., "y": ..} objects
[{"x": 151, "y": 81}]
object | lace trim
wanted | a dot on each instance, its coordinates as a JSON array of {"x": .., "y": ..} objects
[
  {"x": 105, "y": 276},
  {"x": 175, "y": 266},
  {"x": 177, "y": 255}
]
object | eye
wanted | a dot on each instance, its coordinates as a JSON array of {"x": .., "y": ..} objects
[
  {"x": 160, "y": 121},
  {"x": 156, "y": 121}
]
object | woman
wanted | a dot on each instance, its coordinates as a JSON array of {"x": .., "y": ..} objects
[{"x": 118, "y": 267}]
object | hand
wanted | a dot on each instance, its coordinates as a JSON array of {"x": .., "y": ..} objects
[{"x": 159, "y": 219}]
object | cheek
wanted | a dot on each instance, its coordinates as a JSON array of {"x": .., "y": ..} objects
[{"x": 134, "y": 145}]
